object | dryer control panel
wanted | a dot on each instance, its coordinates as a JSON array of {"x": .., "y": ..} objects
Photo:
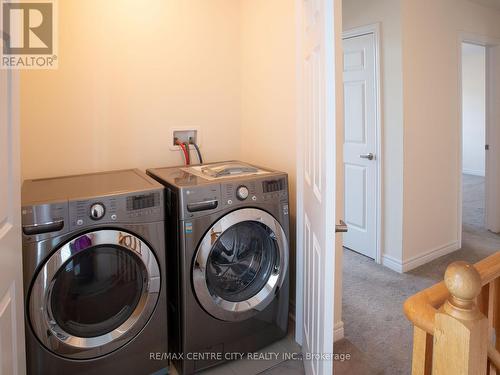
[
  {"x": 128, "y": 208},
  {"x": 45, "y": 221}
]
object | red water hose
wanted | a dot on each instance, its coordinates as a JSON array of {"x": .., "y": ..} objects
[
  {"x": 184, "y": 150},
  {"x": 186, "y": 146}
]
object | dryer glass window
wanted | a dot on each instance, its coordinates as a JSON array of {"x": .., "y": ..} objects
[
  {"x": 97, "y": 290},
  {"x": 241, "y": 261}
]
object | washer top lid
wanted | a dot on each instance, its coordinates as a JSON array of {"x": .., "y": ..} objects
[
  {"x": 210, "y": 173},
  {"x": 85, "y": 186}
]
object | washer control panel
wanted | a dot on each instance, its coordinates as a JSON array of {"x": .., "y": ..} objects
[
  {"x": 206, "y": 199},
  {"x": 242, "y": 193},
  {"x": 237, "y": 192},
  {"x": 97, "y": 211},
  {"x": 254, "y": 191}
]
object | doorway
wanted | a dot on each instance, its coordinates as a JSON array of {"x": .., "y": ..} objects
[
  {"x": 474, "y": 143},
  {"x": 362, "y": 134}
]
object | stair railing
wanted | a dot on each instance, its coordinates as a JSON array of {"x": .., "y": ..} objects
[{"x": 457, "y": 322}]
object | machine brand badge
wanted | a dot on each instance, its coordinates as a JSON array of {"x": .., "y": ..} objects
[
  {"x": 130, "y": 242},
  {"x": 188, "y": 228}
]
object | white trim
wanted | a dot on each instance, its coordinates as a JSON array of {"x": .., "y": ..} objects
[
  {"x": 299, "y": 216},
  {"x": 430, "y": 255},
  {"x": 375, "y": 30},
  {"x": 419, "y": 260},
  {"x": 481, "y": 40},
  {"x": 474, "y": 172},
  {"x": 338, "y": 331},
  {"x": 392, "y": 263}
]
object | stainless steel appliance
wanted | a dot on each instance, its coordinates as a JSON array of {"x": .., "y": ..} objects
[
  {"x": 228, "y": 230},
  {"x": 94, "y": 274}
]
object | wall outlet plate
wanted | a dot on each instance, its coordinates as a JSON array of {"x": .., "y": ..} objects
[{"x": 183, "y": 134}]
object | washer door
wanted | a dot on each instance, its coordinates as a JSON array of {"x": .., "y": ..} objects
[
  {"x": 94, "y": 294},
  {"x": 240, "y": 264}
]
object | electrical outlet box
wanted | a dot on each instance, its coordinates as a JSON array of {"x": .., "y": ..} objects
[{"x": 183, "y": 135}]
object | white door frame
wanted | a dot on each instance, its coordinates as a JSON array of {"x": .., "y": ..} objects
[
  {"x": 492, "y": 154},
  {"x": 375, "y": 30}
]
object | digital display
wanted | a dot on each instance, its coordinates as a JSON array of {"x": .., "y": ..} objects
[
  {"x": 140, "y": 202},
  {"x": 271, "y": 186}
]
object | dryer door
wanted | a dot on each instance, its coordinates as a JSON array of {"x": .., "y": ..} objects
[
  {"x": 94, "y": 294},
  {"x": 240, "y": 264}
]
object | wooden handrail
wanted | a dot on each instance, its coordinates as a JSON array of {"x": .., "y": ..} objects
[
  {"x": 494, "y": 356},
  {"x": 422, "y": 307},
  {"x": 458, "y": 311}
]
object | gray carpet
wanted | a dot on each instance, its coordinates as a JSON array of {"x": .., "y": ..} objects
[{"x": 374, "y": 295}]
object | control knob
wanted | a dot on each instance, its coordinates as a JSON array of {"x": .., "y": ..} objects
[
  {"x": 97, "y": 211},
  {"x": 242, "y": 193}
]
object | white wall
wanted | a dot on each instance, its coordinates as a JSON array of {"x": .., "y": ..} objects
[
  {"x": 473, "y": 109},
  {"x": 127, "y": 73},
  {"x": 358, "y": 13},
  {"x": 431, "y": 56}
]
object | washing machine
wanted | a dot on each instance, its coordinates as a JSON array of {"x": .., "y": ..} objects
[
  {"x": 228, "y": 230},
  {"x": 94, "y": 274}
]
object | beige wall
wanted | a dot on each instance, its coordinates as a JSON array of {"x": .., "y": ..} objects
[
  {"x": 268, "y": 96},
  {"x": 127, "y": 73},
  {"x": 431, "y": 55},
  {"x": 357, "y": 13},
  {"x": 225, "y": 66}
]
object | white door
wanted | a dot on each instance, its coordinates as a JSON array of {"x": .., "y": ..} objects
[
  {"x": 360, "y": 144},
  {"x": 12, "y": 357},
  {"x": 316, "y": 180}
]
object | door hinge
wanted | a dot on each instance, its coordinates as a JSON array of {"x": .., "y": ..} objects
[
  {"x": 487, "y": 147},
  {"x": 341, "y": 228}
]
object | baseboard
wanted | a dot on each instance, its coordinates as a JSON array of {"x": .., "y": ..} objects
[
  {"x": 419, "y": 260},
  {"x": 392, "y": 263},
  {"x": 473, "y": 172},
  {"x": 429, "y": 256},
  {"x": 338, "y": 331},
  {"x": 338, "y": 328}
]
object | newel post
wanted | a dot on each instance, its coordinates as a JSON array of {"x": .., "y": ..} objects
[{"x": 460, "y": 329}]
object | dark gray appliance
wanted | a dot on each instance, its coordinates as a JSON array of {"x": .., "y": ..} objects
[
  {"x": 228, "y": 230},
  {"x": 94, "y": 274}
]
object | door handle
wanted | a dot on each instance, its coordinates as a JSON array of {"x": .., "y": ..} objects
[
  {"x": 367, "y": 156},
  {"x": 341, "y": 228}
]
